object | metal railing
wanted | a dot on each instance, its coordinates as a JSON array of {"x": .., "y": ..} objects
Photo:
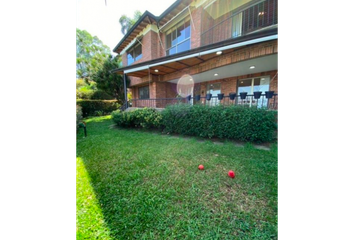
[
  {"x": 253, "y": 18},
  {"x": 261, "y": 101}
]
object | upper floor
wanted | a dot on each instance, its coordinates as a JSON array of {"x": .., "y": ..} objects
[{"x": 190, "y": 24}]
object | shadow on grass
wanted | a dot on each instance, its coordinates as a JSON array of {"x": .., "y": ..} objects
[{"x": 146, "y": 191}]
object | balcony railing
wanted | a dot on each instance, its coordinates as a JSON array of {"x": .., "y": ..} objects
[
  {"x": 261, "y": 101},
  {"x": 254, "y": 18}
]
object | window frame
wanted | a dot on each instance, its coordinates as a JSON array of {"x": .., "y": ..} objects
[
  {"x": 133, "y": 50},
  {"x": 140, "y": 97},
  {"x": 174, "y": 29}
]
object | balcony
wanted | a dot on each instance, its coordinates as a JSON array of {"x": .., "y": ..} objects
[
  {"x": 265, "y": 100},
  {"x": 225, "y": 19}
]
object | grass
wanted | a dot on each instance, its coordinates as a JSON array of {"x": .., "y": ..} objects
[{"x": 143, "y": 185}]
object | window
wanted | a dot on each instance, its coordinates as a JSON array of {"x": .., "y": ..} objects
[
  {"x": 259, "y": 84},
  {"x": 144, "y": 93},
  {"x": 214, "y": 89},
  {"x": 179, "y": 38},
  {"x": 134, "y": 54}
]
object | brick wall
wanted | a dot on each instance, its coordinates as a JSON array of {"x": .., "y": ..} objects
[
  {"x": 245, "y": 53},
  {"x": 196, "y": 30}
]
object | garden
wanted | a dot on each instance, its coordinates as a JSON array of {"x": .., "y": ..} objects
[{"x": 138, "y": 175}]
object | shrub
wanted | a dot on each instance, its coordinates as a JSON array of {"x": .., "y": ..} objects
[
  {"x": 140, "y": 118},
  {"x": 232, "y": 122},
  {"x": 96, "y": 107},
  {"x": 78, "y": 116},
  {"x": 102, "y": 95}
]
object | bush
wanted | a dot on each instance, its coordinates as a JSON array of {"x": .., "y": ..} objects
[
  {"x": 230, "y": 122},
  {"x": 101, "y": 95},
  {"x": 140, "y": 118},
  {"x": 78, "y": 116},
  {"x": 97, "y": 107}
]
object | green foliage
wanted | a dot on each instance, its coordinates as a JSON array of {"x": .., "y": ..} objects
[
  {"x": 90, "y": 54},
  {"x": 226, "y": 122},
  {"x": 78, "y": 116},
  {"x": 140, "y": 118},
  {"x": 101, "y": 95},
  {"x": 109, "y": 82},
  {"x": 97, "y": 107},
  {"x": 126, "y": 22},
  {"x": 139, "y": 185},
  {"x": 231, "y": 122}
]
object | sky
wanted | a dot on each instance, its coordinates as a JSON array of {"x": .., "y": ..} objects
[{"x": 102, "y": 20}]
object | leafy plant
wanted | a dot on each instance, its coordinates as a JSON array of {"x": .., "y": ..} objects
[
  {"x": 90, "y": 107},
  {"x": 78, "y": 116},
  {"x": 229, "y": 122}
]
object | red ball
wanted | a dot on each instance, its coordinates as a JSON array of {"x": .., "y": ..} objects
[
  {"x": 231, "y": 174},
  {"x": 201, "y": 167}
]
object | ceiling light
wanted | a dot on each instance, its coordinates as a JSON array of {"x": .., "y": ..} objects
[
  {"x": 218, "y": 52},
  {"x": 262, "y": 79},
  {"x": 251, "y": 67},
  {"x": 156, "y": 70},
  {"x": 215, "y": 74},
  {"x": 190, "y": 79}
]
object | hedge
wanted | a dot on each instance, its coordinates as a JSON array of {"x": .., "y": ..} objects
[
  {"x": 78, "y": 116},
  {"x": 229, "y": 122},
  {"x": 140, "y": 118},
  {"x": 97, "y": 107}
]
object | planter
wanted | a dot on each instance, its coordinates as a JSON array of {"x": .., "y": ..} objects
[
  {"x": 208, "y": 96},
  {"x": 232, "y": 96},
  {"x": 197, "y": 98},
  {"x": 243, "y": 95},
  {"x": 269, "y": 94},
  {"x": 188, "y": 97},
  {"x": 257, "y": 95},
  {"x": 220, "y": 96}
]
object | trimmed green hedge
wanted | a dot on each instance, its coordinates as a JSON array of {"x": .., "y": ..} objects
[
  {"x": 230, "y": 122},
  {"x": 140, "y": 118},
  {"x": 97, "y": 107}
]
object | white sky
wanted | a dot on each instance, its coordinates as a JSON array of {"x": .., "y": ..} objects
[{"x": 102, "y": 21}]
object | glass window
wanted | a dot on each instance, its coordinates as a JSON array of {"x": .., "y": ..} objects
[
  {"x": 259, "y": 84},
  {"x": 178, "y": 40},
  {"x": 184, "y": 46},
  {"x": 214, "y": 89},
  {"x": 134, "y": 54},
  {"x": 144, "y": 92}
]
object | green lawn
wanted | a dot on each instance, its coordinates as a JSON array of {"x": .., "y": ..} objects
[{"x": 143, "y": 185}]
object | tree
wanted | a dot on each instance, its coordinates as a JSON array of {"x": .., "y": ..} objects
[
  {"x": 90, "y": 54},
  {"x": 109, "y": 82},
  {"x": 127, "y": 22}
]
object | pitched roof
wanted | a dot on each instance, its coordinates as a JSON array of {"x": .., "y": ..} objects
[{"x": 148, "y": 18}]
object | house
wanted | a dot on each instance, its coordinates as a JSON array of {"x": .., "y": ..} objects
[{"x": 204, "y": 51}]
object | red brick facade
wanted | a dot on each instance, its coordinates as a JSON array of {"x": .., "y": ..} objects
[{"x": 154, "y": 46}]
